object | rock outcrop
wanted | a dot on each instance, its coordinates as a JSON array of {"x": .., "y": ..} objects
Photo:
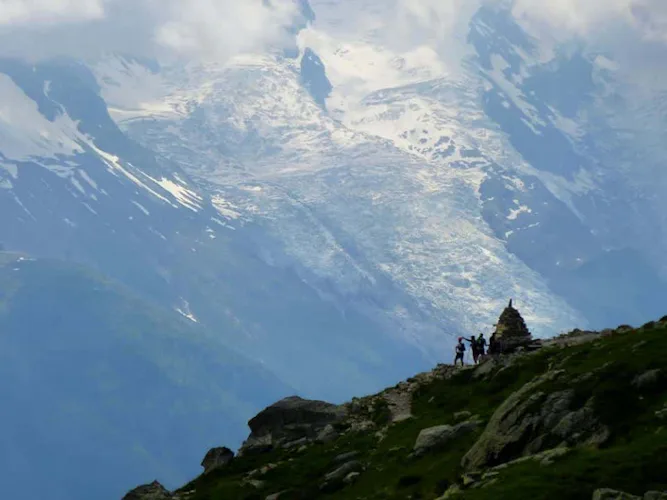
[
  {"x": 216, "y": 458},
  {"x": 436, "y": 438},
  {"x": 511, "y": 333},
  {"x": 609, "y": 494},
  {"x": 346, "y": 473},
  {"x": 153, "y": 491},
  {"x": 531, "y": 421},
  {"x": 288, "y": 421}
]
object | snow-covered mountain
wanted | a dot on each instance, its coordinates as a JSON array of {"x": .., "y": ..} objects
[{"x": 339, "y": 210}]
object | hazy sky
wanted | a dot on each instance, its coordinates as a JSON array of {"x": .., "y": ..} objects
[{"x": 41, "y": 28}]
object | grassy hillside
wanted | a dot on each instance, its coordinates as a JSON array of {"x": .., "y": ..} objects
[
  {"x": 100, "y": 389},
  {"x": 611, "y": 388}
]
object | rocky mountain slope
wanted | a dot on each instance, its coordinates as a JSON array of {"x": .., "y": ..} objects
[{"x": 581, "y": 418}]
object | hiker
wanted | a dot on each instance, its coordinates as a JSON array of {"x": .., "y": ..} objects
[
  {"x": 481, "y": 345},
  {"x": 494, "y": 348},
  {"x": 474, "y": 348},
  {"x": 460, "y": 351}
]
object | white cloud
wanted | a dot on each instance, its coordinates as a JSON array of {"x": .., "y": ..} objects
[
  {"x": 214, "y": 26},
  {"x": 81, "y": 28},
  {"x": 49, "y": 11},
  {"x": 222, "y": 28}
]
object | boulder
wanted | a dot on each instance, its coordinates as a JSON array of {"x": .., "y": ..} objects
[
  {"x": 343, "y": 471},
  {"x": 452, "y": 492},
  {"x": 276, "y": 496},
  {"x": 153, "y": 491},
  {"x": 462, "y": 415},
  {"x": 647, "y": 379},
  {"x": 290, "y": 420},
  {"x": 435, "y": 438},
  {"x": 261, "y": 471},
  {"x": 296, "y": 444},
  {"x": 216, "y": 458},
  {"x": 655, "y": 495},
  {"x": 256, "y": 445},
  {"x": 327, "y": 434},
  {"x": 345, "y": 457},
  {"x": 255, "y": 483},
  {"x": 530, "y": 421},
  {"x": 351, "y": 477},
  {"x": 608, "y": 494}
]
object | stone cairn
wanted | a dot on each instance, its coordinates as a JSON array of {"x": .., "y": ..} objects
[{"x": 511, "y": 334}]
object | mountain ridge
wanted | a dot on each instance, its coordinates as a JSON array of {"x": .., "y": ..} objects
[{"x": 437, "y": 436}]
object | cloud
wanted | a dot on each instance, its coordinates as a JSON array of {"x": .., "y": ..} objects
[
  {"x": 596, "y": 20},
  {"x": 14, "y": 12},
  {"x": 87, "y": 28},
  {"x": 219, "y": 29}
]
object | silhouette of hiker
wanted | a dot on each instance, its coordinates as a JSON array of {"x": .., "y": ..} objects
[
  {"x": 474, "y": 348},
  {"x": 481, "y": 346},
  {"x": 460, "y": 351}
]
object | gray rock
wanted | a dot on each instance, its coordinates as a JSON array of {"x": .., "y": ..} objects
[
  {"x": 435, "y": 438},
  {"x": 256, "y": 483},
  {"x": 327, "y": 434},
  {"x": 261, "y": 471},
  {"x": 462, "y": 415},
  {"x": 295, "y": 410},
  {"x": 256, "y": 444},
  {"x": 548, "y": 457},
  {"x": 608, "y": 494},
  {"x": 276, "y": 496},
  {"x": 216, "y": 458},
  {"x": 647, "y": 379},
  {"x": 580, "y": 427},
  {"x": 486, "y": 367},
  {"x": 345, "y": 457},
  {"x": 655, "y": 495},
  {"x": 153, "y": 491},
  {"x": 352, "y": 477},
  {"x": 296, "y": 444},
  {"x": 529, "y": 422},
  {"x": 453, "y": 491},
  {"x": 289, "y": 420},
  {"x": 341, "y": 472}
]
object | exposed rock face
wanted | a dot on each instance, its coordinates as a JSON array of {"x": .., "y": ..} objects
[
  {"x": 655, "y": 495},
  {"x": 327, "y": 434},
  {"x": 607, "y": 494},
  {"x": 153, "y": 491},
  {"x": 290, "y": 420},
  {"x": 531, "y": 421},
  {"x": 648, "y": 379},
  {"x": 511, "y": 333},
  {"x": 216, "y": 458},
  {"x": 341, "y": 472},
  {"x": 345, "y": 474},
  {"x": 435, "y": 438}
]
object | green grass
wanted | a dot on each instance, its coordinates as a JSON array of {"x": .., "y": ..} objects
[{"x": 633, "y": 460}]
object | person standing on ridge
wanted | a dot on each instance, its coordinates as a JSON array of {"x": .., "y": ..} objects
[
  {"x": 481, "y": 345},
  {"x": 474, "y": 348},
  {"x": 460, "y": 351}
]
